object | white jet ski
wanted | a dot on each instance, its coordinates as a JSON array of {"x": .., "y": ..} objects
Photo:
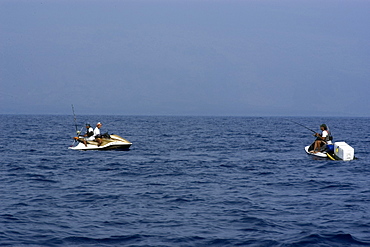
[
  {"x": 309, "y": 151},
  {"x": 108, "y": 142},
  {"x": 336, "y": 151}
]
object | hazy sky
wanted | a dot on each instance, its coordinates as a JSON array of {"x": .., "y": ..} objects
[{"x": 185, "y": 57}]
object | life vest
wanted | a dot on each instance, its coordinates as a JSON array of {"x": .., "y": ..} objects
[
  {"x": 328, "y": 137},
  {"x": 89, "y": 133}
]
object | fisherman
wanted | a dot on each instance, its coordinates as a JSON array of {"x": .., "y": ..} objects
[
  {"x": 322, "y": 138},
  {"x": 89, "y": 136},
  {"x": 97, "y": 134}
]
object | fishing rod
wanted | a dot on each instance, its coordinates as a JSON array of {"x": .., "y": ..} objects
[
  {"x": 74, "y": 116},
  {"x": 302, "y": 126},
  {"x": 77, "y": 131}
]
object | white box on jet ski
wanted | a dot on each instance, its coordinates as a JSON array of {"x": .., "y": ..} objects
[{"x": 344, "y": 151}]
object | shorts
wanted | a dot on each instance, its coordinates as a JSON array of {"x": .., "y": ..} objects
[{"x": 91, "y": 138}]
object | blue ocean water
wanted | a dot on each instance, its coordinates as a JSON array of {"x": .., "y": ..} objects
[{"x": 186, "y": 181}]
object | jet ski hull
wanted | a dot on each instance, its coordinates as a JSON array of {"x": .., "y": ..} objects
[
  {"x": 318, "y": 154},
  {"x": 114, "y": 142},
  {"x": 336, "y": 151}
]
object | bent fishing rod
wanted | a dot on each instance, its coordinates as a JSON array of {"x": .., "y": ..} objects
[{"x": 302, "y": 125}]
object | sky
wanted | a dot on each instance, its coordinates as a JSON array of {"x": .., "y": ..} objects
[{"x": 185, "y": 57}]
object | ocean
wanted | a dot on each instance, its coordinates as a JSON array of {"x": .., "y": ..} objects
[{"x": 186, "y": 181}]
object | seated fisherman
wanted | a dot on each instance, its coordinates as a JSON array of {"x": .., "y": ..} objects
[
  {"x": 89, "y": 136},
  {"x": 97, "y": 134},
  {"x": 322, "y": 138}
]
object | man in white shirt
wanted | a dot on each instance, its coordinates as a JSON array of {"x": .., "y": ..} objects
[
  {"x": 89, "y": 136},
  {"x": 323, "y": 138},
  {"x": 97, "y": 134}
]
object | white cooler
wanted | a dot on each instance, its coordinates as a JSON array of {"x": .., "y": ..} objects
[{"x": 344, "y": 151}]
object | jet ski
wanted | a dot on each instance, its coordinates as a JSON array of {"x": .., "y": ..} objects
[
  {"x": 333, "y": 151},
  {"x": 328, "y": 149},
  {"x": 109, "y": 142},
  {"x": 323, "y": 153}
]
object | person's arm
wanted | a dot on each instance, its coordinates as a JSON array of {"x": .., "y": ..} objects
[{"x": 319, "y": 136}]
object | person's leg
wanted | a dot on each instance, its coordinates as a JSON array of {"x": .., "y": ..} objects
[{"x": 316, "y": 148}]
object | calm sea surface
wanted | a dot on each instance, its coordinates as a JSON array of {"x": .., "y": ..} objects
[{"x": 186, "y": 181}]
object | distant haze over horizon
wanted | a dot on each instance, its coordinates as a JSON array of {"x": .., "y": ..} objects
[{"x": 185, "y": 58}]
